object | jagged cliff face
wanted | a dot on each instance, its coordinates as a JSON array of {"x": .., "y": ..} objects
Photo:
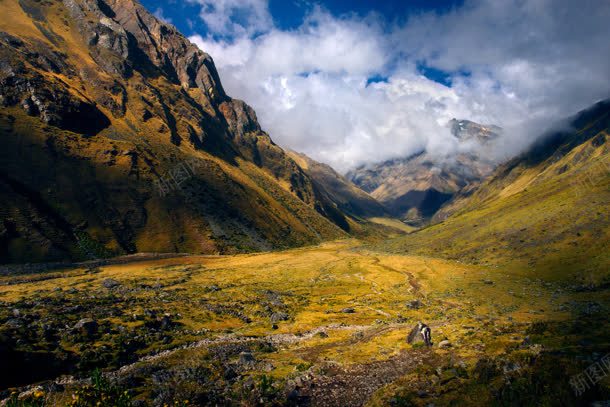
[
  {"x": 415, "y": 188},
  {"x": 119, "y": 137}
]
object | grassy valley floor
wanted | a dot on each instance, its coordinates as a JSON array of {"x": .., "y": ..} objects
[{"x": 323, "y": 325}]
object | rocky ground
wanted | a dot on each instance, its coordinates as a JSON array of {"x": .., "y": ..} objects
[{"x": 320, "y": 326}]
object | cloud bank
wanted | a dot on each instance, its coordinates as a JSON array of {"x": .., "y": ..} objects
[{"x": 350, "y": 90}]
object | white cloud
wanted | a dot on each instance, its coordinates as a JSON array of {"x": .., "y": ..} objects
[
  {"x": 529, "y": 63},
  {"x": 235, "y": 17},
  {"x": 161, "y": 16}
]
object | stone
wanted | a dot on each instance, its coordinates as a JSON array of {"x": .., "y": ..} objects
[
  {"x": 444, "y": 344},
  {"x": 86, "y": 326},
  {"x": 229, "y": 374},
  {"x": 279, "y": 316},
  {"x": 110, "y": 283},
  {"x": 246, "y": 358},
  {"x": 348, "y": 310},
  {"x": 166, "y": 323}
]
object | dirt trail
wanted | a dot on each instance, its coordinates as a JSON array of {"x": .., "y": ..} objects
[{"x": 415, "y": 286}]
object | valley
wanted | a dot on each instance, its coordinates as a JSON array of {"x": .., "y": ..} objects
[
  {"x": 320, "y": 325},
  {"x": 158, "y": 248}
]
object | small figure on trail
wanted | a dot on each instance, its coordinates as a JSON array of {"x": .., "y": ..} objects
[{"x": 421, "y": 332}]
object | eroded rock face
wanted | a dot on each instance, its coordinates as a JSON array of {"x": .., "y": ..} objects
[
  {"x": 136, "y": 40},
  {"x": 52, "y": 104}
]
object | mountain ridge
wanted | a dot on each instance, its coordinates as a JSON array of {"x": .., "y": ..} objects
[{"x": 103, "y": 104}]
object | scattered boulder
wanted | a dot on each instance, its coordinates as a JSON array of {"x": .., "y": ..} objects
[
  {"x": 110, "y": 283},
  {"x": 415, "y": 304},
  {"x": 400, "y": 319},
  {"x": 86, "y": 327},
  {"x": 421, "y": 333},
  {"x": 279, "y": 316},
  {"x": 165, "y": 323},
  {"x": 348, "y": 310},
  {"x": 229, "y": 374},
  {"x": 246, "y": 358},
  {"x": 14, "y": 323},
  {"x": 445, "y": 344}
]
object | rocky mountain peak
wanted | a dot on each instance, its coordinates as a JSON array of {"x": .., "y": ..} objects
[
  {"x": 137, "y": 40},
  {"x": 465, "y": 130}
]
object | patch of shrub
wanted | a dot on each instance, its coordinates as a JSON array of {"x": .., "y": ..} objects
[{"x": 101, "y": 392}]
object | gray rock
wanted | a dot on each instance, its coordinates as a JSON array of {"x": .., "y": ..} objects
[
  {"x": 166, "y": 322},
  {"x": 279, "y": 316},
  {"x": 246, "y": 358},
  {"x": 444, "y": 344},
  {"x": 86, "y": 326},
  {"x": 110, "y": 283},
  {"x": 14, "y": 323},
  {"x": 348, "y": 310}
]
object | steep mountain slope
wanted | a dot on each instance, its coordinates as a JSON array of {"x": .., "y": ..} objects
[
  {"x": 414, "y": 188},
  {"x": 546, "y": 210},
  {"x": 117, "y": 137},
  {"x": 349, "y": 198}
]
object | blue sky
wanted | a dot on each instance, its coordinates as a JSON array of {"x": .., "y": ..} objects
[
  {"x": 290, "y": 14},
  {"x": 355, "y": 82}
]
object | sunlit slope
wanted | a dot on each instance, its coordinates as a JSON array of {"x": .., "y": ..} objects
[
  {"x": 546, "y": 211},
  {"x": 117, "y": 137}
]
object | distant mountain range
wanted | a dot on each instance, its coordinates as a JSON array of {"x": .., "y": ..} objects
[
  {"x": 118, "y": 137},
  {"x": 414, "y": 188}
]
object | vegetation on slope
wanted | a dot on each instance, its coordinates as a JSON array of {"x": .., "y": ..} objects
[
  {"x": 544, "y": 212},
  {"x": 118, "y": 136}
]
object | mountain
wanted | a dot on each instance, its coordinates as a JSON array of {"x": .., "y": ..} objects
[
  {"x": 118, "y": 137},
  {"x": 347, "y": 197},
  {"x": 544, "y": 210},
  {"x": 414, "y": 188}
]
